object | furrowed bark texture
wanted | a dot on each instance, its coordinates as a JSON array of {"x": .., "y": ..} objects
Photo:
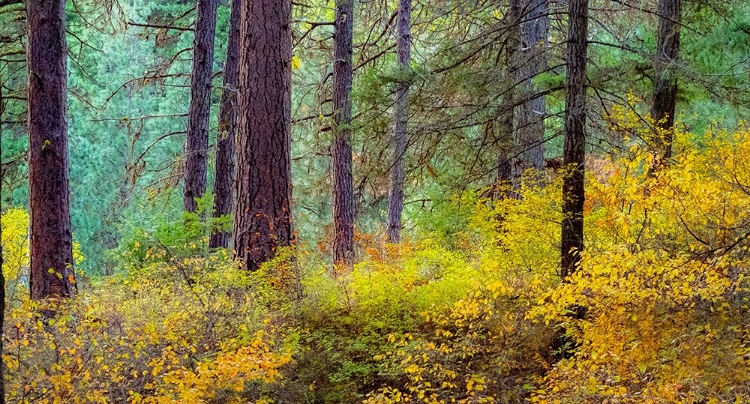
[
  {"x": 262, "y": 220},
  {"x": 343, "y": 189},
  {"x": 503, "y": 125},
  {"x": 2, "y": 283},
  {"x": 227, "y": 121},
  {"x": 665, "y": 79},
  {"x": 51, "y": 247},
  {"x": 401, "y": 116},
  {"x": 199, "y": 110},
  {"x": 575, "y": 137},
  {"x": 531, "y": 60}
]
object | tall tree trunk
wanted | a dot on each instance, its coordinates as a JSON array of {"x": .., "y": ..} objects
[
  {"x": 530, "y": 61},
  {"x": 2, "y": 320},
  {"x": 51, "y": 247},
  {"x": 225, "y": 139},
  {"x": 575, "y": 137},
  {"x": 262, "y": 218},
  {"x": 199, "y": 110},
  {"x": 665, "y": 79},
  {"x": 504, "y": 122},
  {"x": 343, "y": 189},
  {"x": 400, "y": 119},
  {"x": 2, "y": 282}
]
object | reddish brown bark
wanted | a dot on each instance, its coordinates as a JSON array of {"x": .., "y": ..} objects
[
  {"x": 2, "y": 285},
  {"x": 262, "y": 220},
  {"x": 225, "y": 140},
  {"x": 665, "y": 79},
  {"x": 199, "y": 109},
  {"x": 400, "y": 120},
  {"x": 51, "y": 247},
  {"x": 575, "y": 137},
  {"x": 343, "y": 189}
]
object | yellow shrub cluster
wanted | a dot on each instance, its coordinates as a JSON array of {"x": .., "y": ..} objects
[
  {"x": 148, "y": 337},
  {"x": 657, "y": 313},
  {"x": 663, "y": 281},
  {"x": 471, "y": 311}
]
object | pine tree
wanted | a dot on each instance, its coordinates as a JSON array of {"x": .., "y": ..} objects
[
  {"x": 400, "y": 120},
  {"x": 343, "y": 188},
  {"x": 262, "y": 218},
  {"x": 575, "y": 137},
  {"x": 227, "y": 121},
  {"x": 200, "y": 103},
  {"x": 51, "y": 247}
]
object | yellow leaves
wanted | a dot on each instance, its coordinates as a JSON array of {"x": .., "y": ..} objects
[
  {"x": 227, "y": 372},
  {"x": 139, "y": 335},
  {"x": 15, "y": 222},
  {"x": 296, "y": 62}
]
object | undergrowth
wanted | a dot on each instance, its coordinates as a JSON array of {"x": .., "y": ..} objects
[{"x": 469, "y": 310}]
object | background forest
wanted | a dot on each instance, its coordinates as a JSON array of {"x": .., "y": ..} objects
[{"x": 497, "y": 282}]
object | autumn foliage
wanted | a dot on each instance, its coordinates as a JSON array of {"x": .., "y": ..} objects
[{"x": 469, "y": 310}]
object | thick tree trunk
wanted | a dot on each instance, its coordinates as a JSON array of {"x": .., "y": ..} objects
[
  {"x": 665, "y": 79},
  {"x": 51, "y": 247},
  {"x": 400, "y": 119},
  {"x": 199, "y": 110},
  {"x": 575, "y": 137},
  {"x": 343, "y": 189},
  {"x": 225, "y": 139},
  {"x": 262, "y": 219},
  {"x": 530, "y": 61}
]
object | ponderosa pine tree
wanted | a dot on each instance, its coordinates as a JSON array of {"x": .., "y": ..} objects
[
  {"x": 502, "y": 126},
  {"x": 2, "y": 283},
  {"x": 341, "y": 151},
  {"x": 227, "y": 120},
  {"x": 665, "y": 78},
  {"x": 530, "y": 59},
  {"x": 262, "y": 218},
  {"x": 199, "y": 110},
  {"x": 51, "y": 246},
  {"x": 400, "y": 120},
  {"x": 575, "y": 137}
]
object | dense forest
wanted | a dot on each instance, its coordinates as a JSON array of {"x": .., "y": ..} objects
[{"x": 375, "y": 201}]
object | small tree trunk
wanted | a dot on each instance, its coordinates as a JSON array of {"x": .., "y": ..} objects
[
  {"x": 530, "y": 60},
  {"x": 262, "y": 218},
  {"x": 225, "y": 139},
  {"x": 575, "y": 137},
  {"x": 665, "y": 79},
  {"x": 343, "y": 189},
  {"x": 401, "y": 116},
  {"x": 51, "y": 247},
  {"x": 199, "y": 110}
]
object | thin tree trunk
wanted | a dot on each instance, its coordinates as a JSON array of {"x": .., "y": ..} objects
[
  {"x": 343, "y": 190},
  {"x": 2, "y": 282},
  {"x": 575, "y": 137},
  {"x": 199, "y": 110},
  {"x": 504, "y": 125},
  {"x": 401, "y": 116},
  {"x": 51, "y": 247},
  {"x": 225, "y": 139},
  {"x": 2, "y": 320},
  {"x": 665, "y": 79},
  {"x": 530, "y": 60},
  {"x": 262, "y": 218}
]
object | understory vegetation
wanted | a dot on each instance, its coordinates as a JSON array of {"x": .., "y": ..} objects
[{"x": 468, "y": 309}]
